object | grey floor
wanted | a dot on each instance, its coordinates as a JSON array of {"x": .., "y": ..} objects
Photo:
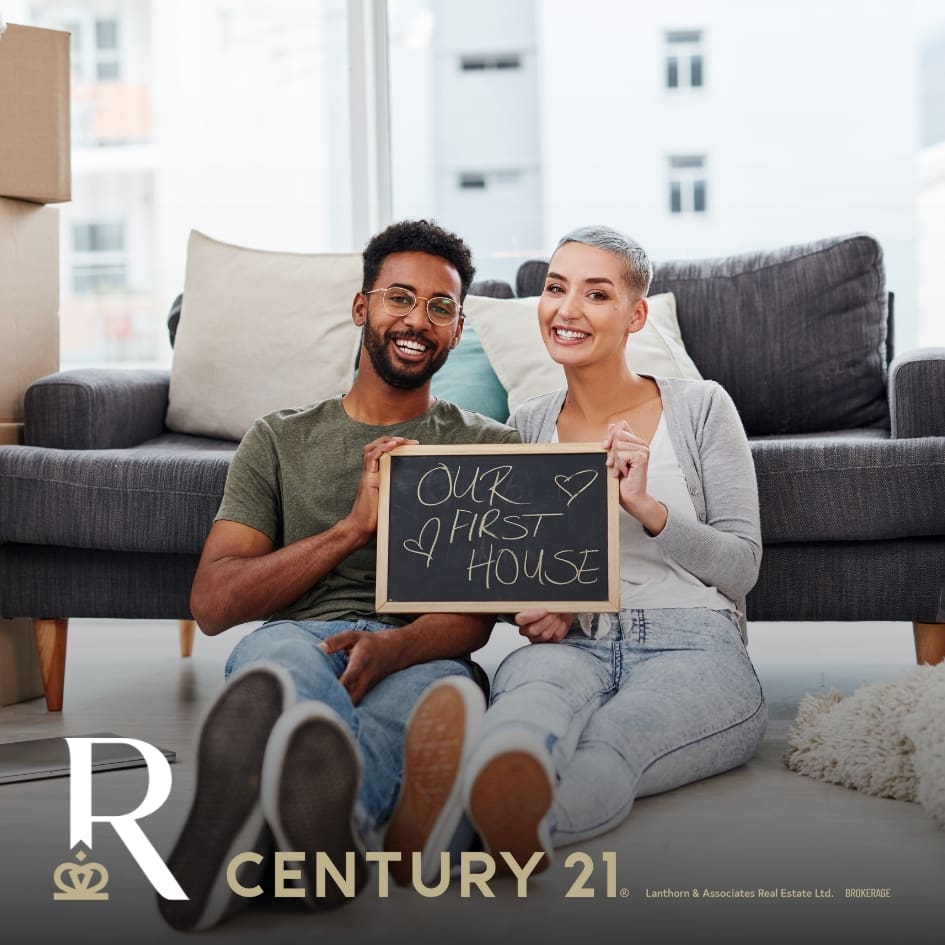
[{"x": 760, "y": 827}]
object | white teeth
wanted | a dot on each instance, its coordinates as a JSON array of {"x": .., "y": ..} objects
[
  {"x": 412, "y": 346},
  {"x": 569, "y": 334}
]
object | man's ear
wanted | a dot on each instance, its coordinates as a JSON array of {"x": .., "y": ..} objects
[
  {"x": 641, "y": 309},
  {"x": 359, "y": 309},
  {"x": 459, "y": 331}
]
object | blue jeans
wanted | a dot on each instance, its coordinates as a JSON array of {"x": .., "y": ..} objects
[
  {"x": 668, "y": 698},
  {"x": 377, "y": 723}
]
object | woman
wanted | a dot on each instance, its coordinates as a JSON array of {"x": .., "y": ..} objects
[{"x": 605, "y": 708}]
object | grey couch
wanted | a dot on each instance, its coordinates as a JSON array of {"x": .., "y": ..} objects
[{"x": 104, "y": 511}]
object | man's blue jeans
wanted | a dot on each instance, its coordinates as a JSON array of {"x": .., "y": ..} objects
[{"x": 377, "y": 723}]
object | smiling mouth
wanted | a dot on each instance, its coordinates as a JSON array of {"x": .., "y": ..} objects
[
  {"x": 569, "y": 334},
  {"x": 410, "y": 347}
]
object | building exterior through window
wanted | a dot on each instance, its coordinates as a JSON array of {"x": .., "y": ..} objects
[
  {"x": 687, "y": 183},
  {"x": 684, "y": 59}
]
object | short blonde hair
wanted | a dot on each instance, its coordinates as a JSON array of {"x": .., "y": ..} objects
[{"x": 639, "y": 272}]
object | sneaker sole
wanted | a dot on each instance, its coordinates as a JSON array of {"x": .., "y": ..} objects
[
  {"x": 312, "y": 774},
  {"x": 508, "y": 801},
  {"x": 433, "y": 754},
  {"x": 225, "y": 817}
]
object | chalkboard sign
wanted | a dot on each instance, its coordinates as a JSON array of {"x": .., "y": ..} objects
[{"x": 497, "y": 528}]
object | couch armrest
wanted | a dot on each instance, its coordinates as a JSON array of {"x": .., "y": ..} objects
[
  {"x": 917, "y": 393},
  {"x": 95, "y": 409}
]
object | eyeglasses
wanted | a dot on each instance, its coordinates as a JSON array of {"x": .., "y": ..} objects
[{"x": 400, "y": 302}]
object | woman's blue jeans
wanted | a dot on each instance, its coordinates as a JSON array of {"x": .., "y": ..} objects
[
  {"x": 377, "y": 723},
  {"x": 669, "y": 697}
]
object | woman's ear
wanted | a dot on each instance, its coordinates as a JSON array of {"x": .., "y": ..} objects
[{"x": 638, "y": 315}]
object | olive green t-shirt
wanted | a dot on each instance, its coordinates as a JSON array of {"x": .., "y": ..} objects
[{"x": 296, "y": 473}]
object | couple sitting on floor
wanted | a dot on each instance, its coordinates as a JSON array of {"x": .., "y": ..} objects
[{"x": 342, "y": 733}]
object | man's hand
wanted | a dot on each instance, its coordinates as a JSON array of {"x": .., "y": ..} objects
[
  {"x": 539, "y": 626},
  {"x": 372, "y": 656},
  {"x": 364, "y": 511}
]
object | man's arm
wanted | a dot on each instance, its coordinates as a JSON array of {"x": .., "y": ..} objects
[
  {"x": 240, "y": 577},
  {"x": 374, "y": 655}
]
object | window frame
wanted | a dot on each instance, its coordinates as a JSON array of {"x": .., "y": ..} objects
[
  {"x": 687, "y": 178},
  {"x": 684, "y": 56}
]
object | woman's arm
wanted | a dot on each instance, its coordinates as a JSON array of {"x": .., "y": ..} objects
[{"x": 725, "y": 550}]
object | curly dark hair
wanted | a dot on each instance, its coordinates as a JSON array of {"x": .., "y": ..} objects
[{"x": 418, "y": 236}]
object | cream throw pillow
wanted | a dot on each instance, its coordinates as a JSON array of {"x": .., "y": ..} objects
[
  {"x": 259, "y": 331},
  {"x": 509, "y": 332}
]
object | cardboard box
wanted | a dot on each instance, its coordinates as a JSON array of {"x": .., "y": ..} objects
[
  {"x": 20, "y": 676},
  {"x": 11, "y": 434},
  {"x": 35, "y": 147},
  {"x": 29, "y": 300}
]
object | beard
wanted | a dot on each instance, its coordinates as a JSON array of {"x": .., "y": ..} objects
[{"x": 405, "y": 377}]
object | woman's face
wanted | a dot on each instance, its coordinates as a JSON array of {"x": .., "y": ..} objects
[{"x": 587, "y": 309}]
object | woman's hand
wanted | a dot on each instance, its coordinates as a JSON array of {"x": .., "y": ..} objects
[
  {"x": 628, "y": 457},
  {"x": 539, "y": 626}
]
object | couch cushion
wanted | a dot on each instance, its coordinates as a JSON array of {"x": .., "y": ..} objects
[
  {"x": 259, "y": 331},
  {"x": 75, "y": 582},
  {"x": 796, "y": 335},
  {"x": 852, "y": 580},
  {"x": 158, "y": 497},
  {"x": 849, "y": 488},
  {"x": 511, "y": 338},
  {"x": 468, "y": 379}
]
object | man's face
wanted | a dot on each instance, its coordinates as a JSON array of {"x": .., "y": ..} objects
[{"x": 407, "y": 351}]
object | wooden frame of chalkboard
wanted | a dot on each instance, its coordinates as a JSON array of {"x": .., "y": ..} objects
[{"x": 497, "y": 529}]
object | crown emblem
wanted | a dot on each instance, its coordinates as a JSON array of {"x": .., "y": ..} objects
[{"x": 80, "y": 880}]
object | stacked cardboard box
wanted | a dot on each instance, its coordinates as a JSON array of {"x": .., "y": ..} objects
[
  {"x": 34, "y": 115},
  {"x": 35, "y": 170}
]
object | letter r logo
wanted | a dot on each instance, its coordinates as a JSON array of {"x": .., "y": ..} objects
[{"x": 126, "y": 826}]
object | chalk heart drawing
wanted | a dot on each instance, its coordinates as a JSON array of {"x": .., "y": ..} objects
[
  {"x": 572, "y": 486},
  {"x": 424, "y": 545}
]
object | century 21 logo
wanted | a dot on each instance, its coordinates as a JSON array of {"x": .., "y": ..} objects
[
  {"x": 86, "y": 880},
  {"x": 82, "y": 880}
]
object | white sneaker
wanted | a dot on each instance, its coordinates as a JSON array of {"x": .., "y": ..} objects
[
  {"x": 225, "y": 816},
  {"x": 310, "y": 782},
  {"x": 508, "y": 793},
  {"x": 441, "y": 730}
]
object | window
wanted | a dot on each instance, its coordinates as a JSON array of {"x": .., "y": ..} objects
[
  {"x": 108, "y": 54},
  {"x": 687, "y": 184},
  {"x": 684, "y": 59},
  {"x": 269, "y": 167},
  {"x": 95, "y": 47},
  {"x": 479, "y": 180},
  {"x": 99, "y": 258},
  {"x": 466, "y": 146},
  {"x": 491, "y": 63}
]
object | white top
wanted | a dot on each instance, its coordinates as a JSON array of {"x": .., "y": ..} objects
[
  {"x": 648, "y": 577},
  {"x": 722, "y": 547}
]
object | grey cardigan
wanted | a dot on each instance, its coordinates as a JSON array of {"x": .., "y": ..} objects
[{"x": 723, "y": 546}]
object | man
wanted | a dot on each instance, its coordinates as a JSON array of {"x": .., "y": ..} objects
[{"x": 308, "y": 735}]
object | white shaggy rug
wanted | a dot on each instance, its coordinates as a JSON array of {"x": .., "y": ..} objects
[{"x": 886, "y": 739}]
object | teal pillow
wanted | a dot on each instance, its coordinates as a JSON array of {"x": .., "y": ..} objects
[{"x": 467, "y": 379}]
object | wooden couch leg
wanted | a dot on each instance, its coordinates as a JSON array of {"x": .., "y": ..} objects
[
  {"x": 929, "y": 642},
  {"x": 51, "y": 646},
  {"x": 186, "y": 630}
]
